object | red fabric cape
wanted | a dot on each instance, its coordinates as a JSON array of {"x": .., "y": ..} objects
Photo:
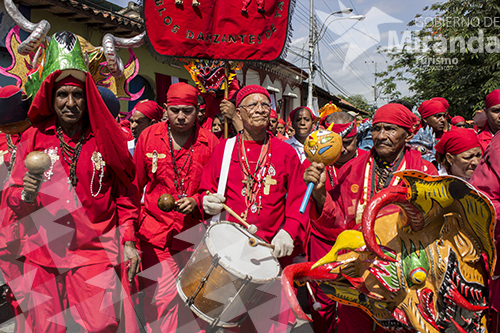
[{"x": 109, "y": 136}]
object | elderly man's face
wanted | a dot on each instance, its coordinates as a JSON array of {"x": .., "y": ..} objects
[
  {"x": 254, "y": 112},
  {"x": 70, "y": 104},
  {"x": 389, "y": 140}
]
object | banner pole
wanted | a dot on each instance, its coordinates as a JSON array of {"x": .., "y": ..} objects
[{"x": 226, "y": 96}]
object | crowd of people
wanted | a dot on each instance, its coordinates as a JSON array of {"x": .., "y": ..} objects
[{"x": 81, "y": 238}]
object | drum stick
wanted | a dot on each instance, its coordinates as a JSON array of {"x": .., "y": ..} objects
[
  {"x": 251, "y": 227},
  {"x": 254, "y": 242},
  {"x": 316, "y": 305},
  {"x": 307, "y": 196}
]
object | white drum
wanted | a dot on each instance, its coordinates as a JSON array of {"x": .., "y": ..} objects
[{"x": 226, "y": 274}]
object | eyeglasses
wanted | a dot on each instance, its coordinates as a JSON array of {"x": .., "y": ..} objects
[{"x": 253, "y": 106}]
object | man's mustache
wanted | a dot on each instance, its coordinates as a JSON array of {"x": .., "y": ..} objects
[{"x": 386, "y": 142}]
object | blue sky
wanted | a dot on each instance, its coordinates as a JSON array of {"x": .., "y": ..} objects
[{"x": 347, "y": 39}]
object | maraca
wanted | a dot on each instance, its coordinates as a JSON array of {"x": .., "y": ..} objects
[
  {"x": 322, "y": 146},
  {"x": 37, "y": 162},
  {"x": 166, "y": 202}
]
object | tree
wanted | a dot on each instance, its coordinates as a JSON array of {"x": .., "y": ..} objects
[
  {"x": 360, "y": 102},
  {"x": 456, "y": 55}
]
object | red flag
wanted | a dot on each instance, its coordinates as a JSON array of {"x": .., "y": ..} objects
[{"x": 218, "y": 29}]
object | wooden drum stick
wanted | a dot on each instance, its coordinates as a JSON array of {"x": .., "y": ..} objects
[{"x": 251, "y": 227}]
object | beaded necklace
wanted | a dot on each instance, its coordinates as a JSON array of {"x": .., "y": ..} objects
[
  {"x": 384, "y": 171},
  {"x": 178, "y": 180},
  {"x": 253, "y": 180},
  {"x": 11, "y": 147},
  {"x": 71, "y": 155}
]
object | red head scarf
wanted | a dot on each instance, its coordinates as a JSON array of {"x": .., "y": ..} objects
[
  {"x": 109, "y": 137},
  {"x": 8, "y": 91},
  {"x": 150, "y": 109},
  {"x": 442, "y": 101},
  {"x": 457, "y": 119},
  {"x": 281, "y": 121},
  {"x": 248, "y": 90},
  {"x": 273, "y": 114},
  {"x": 457, "y": 141},
  {"x": 395, "y": 114},
  {"x": 338, "y": 128},
  {"x": 292, "y": 114},
  {"x": 431, "y": 107},
  {"x": 182, "y": 94},
  {"x": 493, "y": 98}
]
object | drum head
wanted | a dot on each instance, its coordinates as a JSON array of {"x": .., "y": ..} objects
[{"x": 231, "y": 243}]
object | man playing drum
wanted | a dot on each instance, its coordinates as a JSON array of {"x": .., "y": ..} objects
[
  {"x": 264, "y": 186},
  {"x": 169, "y": 158}
]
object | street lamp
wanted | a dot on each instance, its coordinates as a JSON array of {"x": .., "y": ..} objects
[{"x": 313, "y": 42}]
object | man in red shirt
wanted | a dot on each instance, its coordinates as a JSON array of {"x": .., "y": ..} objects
[
  {"x": 341, "y": 208},
  {"x": 169, "y": 158},
  {"x": 272, "y": 198},
  {"x": 492, "y": 113},
  {"x": 77, "y": 215}
]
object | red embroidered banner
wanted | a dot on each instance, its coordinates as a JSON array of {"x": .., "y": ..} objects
[{"x": 218, "y": 29}]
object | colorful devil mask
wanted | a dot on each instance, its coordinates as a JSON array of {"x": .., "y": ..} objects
[
  {"x": 419, "y": 268},
  {"x": 209, "y": 74}
]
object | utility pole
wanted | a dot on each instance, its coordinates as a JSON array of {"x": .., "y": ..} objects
[
  {"x": 375, "y": 94},
  {"x": 311, "y": 56}
]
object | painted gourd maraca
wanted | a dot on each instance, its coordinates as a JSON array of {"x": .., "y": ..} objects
[{"x": 325, "y": 146}]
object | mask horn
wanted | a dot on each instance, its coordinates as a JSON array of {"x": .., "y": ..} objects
[
  {"x": 110, "y": 43},
  {"x": 37, "y": 31}
]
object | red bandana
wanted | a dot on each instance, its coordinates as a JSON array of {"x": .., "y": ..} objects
[
  {"x": 150, "y": 109},
  {"x": 338, "y": 128},
  {"x": 457, "y": 119},
  {"x": 395, "y": 114},
  {"x": 442, "y": 101},
  {"x": 457, "y": 141},
  {"x": 431, "y": 107},
  {"x": 273, "y": 114},
  {"x": 70, "y": 81},
  {"x": 248, "y": 90},
  {"x": 108, "y": 134},
  {"x": 493, "y": 98},
  {"x": 182, "y": 94}
]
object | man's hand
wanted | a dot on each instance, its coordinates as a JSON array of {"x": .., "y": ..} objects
[
  {"x": 31, "y": 184},
  {"x": 212, "y": 203},
  {"x": 316, "y": 174},
  {"x": 131, "y": 253},
  {"x": 229, "y": 111},
  {"x": 185, "y": 205},
  {"x": 283, "y": 244}
]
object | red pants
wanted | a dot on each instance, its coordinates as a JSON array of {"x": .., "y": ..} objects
[
  {"x": 90, "y": 293},
  {"x": 163, "y": 308}
]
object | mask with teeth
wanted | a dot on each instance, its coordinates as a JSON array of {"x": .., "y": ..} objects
[
  {"x": 209, "y": 74},
  {"x": 325, "y": 146},
  {"x": 418, "y": 264}
]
